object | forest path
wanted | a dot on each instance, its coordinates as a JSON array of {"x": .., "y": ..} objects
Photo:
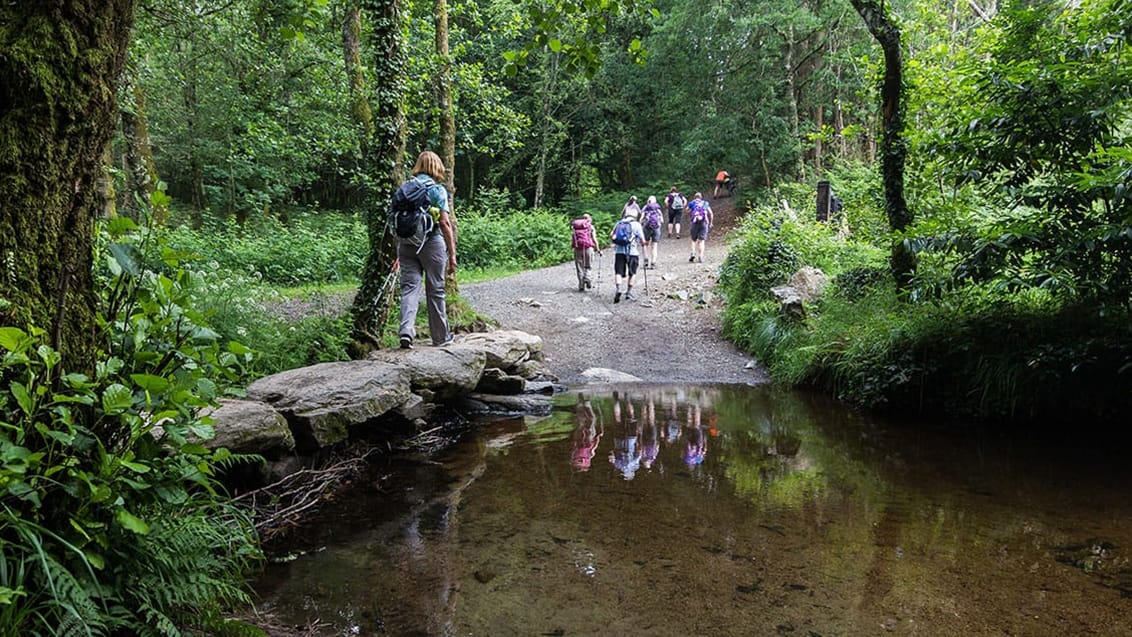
[{"x": 659, "y": 337}]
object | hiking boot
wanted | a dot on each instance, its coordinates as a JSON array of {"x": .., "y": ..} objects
[
  {"x": 699, "y": 259},
  {"x": 449, "y": 340},
  {"x": 629, "y": 296},
  {"x": 588, "y": 286},
  {"x": 677, "y": 235},
  {"x": 406, "y": 342},
  {"x": 617, "y": 297},
  {"x": 691, "y": 258}
]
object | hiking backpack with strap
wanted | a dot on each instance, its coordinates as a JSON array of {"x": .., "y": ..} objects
[
  {"x": 623, "y": 232},
  {"x": 699, "y": 211},
  {"x": 408, "y": 214},
  {"x": 652, "y": 216},
  {"x": 677, "y": 202},
  {"x": 583, "y": 235}
]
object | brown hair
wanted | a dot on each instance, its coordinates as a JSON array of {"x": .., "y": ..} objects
[{"x": 429, "y": 164}]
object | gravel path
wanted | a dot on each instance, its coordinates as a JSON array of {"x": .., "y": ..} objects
[{"x": 660, "y": 337}]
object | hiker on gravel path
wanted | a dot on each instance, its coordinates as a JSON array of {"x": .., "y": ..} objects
[
  {"x": 651, "y": 222},
  {"x": 675, "y": 203},
  {"x": 628, "y": 237},
  {"x": 699, "y": 213},
  {"x": 585, "y": 243},
  {"x": 429, "y": 259},
  {"x": 631, "y": 206}
]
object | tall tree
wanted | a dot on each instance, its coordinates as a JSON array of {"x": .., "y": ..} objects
[
  {"x": 137, "y": 156},
  {"x": 893, "y": 146},
  {"x": 57, "y": 115},
  {"x": 373, "y": 302},
  {"x": 444, "y": 95}
]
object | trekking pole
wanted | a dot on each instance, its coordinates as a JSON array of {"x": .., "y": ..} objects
[{"x": 646, "y": 281}]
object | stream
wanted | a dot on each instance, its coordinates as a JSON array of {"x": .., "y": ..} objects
[{"x": 724, "y": 510}]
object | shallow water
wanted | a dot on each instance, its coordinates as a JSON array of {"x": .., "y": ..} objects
[{"x": 726, "y": 511}]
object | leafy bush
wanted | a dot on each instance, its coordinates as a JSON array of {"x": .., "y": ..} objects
[
  {"x": 520, "y": 239},
  {"x": 312, "y": 247},
  {"x": 110, "y": 522}
]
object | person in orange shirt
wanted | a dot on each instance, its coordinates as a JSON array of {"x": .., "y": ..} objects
[{"x": 722, "y": 178}]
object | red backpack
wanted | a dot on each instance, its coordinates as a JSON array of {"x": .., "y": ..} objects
[{"x": 583, "y": 234}]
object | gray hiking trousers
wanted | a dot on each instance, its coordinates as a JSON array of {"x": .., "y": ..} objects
[
  {"x": 583, "y": 262},
  {"x": 429, "y": 264}
]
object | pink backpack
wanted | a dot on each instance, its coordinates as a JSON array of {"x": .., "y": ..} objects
[{"x": 583, "y": 234}]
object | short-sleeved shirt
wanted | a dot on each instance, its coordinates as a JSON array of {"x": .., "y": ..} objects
[
  {"x": 634, "y": 247},
  {"x": 437, "y": 193}
]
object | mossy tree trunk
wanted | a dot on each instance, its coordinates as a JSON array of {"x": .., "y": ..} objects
[
  {"x": 447, "y": 121},
  {"x": 59, "y": 66},
  {"x": 893, "y": 146},
  {"x": 138, "y": 165},
  {"x": 383, "y": 160}
]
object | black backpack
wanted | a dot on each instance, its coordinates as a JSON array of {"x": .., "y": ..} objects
[{"x": 408, "y": 214}]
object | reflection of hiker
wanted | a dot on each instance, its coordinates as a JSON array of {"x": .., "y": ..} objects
[
  {"x": 696, "y": 446},
  {"x": 631, "y": 207},
  {"x": 626, "y": 455},
  {"x": 587, "y": 435},
  {"x": 675, "y": 203},
  {"x": 672, "y": 423},
  {"x": 628, "y": 236},
  {"x": 651, "y": 222},
  {"x": 724, "y": 179},
  {"x": 585, "y": 244},
  {"x": 430, "y": 259},
  {"x": 700, "y": 214},
  {"x": 650, "y": 440}
]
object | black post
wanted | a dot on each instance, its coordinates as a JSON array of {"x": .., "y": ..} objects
[{"x": 824, "y": 195}]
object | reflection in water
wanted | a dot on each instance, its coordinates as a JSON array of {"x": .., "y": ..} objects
[{"x": 727, "y": 511}]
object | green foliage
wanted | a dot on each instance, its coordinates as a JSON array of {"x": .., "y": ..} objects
[
  {"x": 774, "y": 243},
  {"x": 1043, "y": 132},
  {"x": 95, "y": 468},
  {"x": 312, "y": 247},
  {"x": 511, "y": 237}
]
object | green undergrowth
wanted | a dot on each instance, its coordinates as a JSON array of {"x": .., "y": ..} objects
[{"x": 984, "y": 351}]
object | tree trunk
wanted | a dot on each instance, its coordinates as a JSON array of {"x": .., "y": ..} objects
[
  {"x": 792, "y": 99},
  {"x": 386, "y": 149},
  {"x": 819, "y": 123},
  {"x": 447, "y": 123},
  {"x": 893, "y": 147},
  {"x": 57, "y": 114},
  {"x": 140, "y": 169},
  {"x": 547, "y": 123},
  {"x": 360, "y": 108},
  {"x": 444, "y": 96}
]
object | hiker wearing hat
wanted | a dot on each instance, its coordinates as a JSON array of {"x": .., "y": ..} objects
[{"x": 628, "y": 237}]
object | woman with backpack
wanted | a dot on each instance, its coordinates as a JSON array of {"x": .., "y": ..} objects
[
  {"x": 675, "y": 203},
  {"x": 651, "y": 222},
  {"x": 701, "y": 217},
  {"x": 585, "y": 244},
  {"x": 631, "y": 207},
  {"x": 424, "y": 261}
]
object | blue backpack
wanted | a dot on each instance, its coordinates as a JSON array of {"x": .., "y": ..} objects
[{"x": 623, "y": 232}]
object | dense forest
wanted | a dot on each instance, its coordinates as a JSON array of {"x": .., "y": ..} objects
[{"x": 171, "y": 168}]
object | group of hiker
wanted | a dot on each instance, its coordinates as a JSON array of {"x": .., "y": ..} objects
[
  {"x": 637, "y": 235},
  {"x": 426, "y": 247},
  {"x": 638, "y": 433}
]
